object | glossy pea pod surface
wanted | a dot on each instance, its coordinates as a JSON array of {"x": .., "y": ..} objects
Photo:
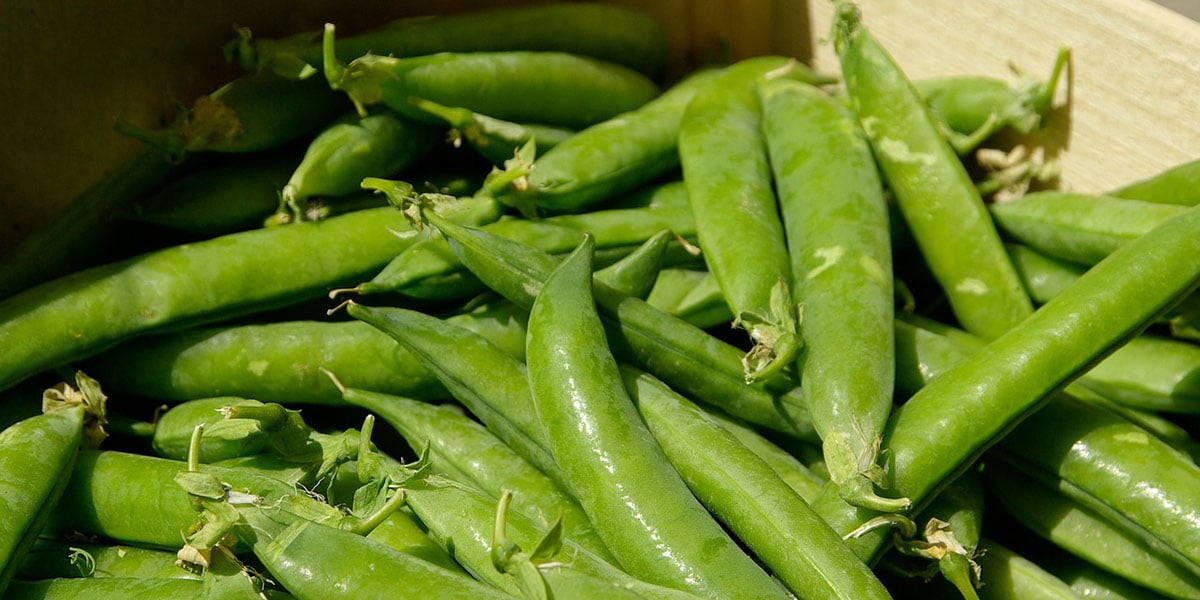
[
  {"x": 932, "y": 189},
  {"x": 638, "y": 503},
  {"x": 983, "y": 398},
  {"x": 836, "y": 218}
]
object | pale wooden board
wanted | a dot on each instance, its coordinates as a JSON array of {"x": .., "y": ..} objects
[{"x": 1136, "y": 69}]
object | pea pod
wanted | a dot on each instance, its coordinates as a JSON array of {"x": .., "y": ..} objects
[
  {"x": 946, "y": 425},
  {"x": 495, "y": 139},
  {"x": 622, "y": 154},
  {"x": 836, "y": 219},
  {"x": 352, "y": 148},
  {"x": 36, "y": 455},
  {"x": 220, "y": 199},
  {"x": 281, "y": 362},
  {"x": 1014, "y": 577},
  {"x": 932, "y": 189},
  {"x": 132, "y": 588},
  {"x": 1175, "y": 185},
  {"x": 655, "y": 527},
  {"x": 757, "y": 505},
  {"x": 57, "y": 559},
  {"x": 728, "y": 177},
  {"x": 604, "y": 31},
  {"x": 222, "y": 438},
  {"x": 254, "y": 112},
  {"x": 553, "y": 88},
  {"x": 690, "y": 295},
  {"x": 1081, "y": 228},
  {"x": 194, "y": 283},
  {"x": 973, "y": 108},
  {"x": 1085, "y": 534}
]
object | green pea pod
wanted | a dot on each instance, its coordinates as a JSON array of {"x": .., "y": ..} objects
[
  {"x": 1044, "y": 277},
  {"x": 973, "y": 108},
  {"x": 449, "y": 437},
  {"x": 655, "y": 527},
  {"x": 495, "y": 139},
  {"x": 634, "y": 275},
  {"x": 222, "y": 438},
  {"x": 220, "y": 199},
  {"x": 1150, "y": 373},
  {"x": 786, "y": 466},
  {"x": 282, "y": 362},
  {"x": 620, "y": 227},
  {"x": 352, "y": 148},
  {"x": 59, "y": 559},
  {"x": 313, "y": 560},
  {"x": 728, "y": 177},
  {"x": 132, "y": 499},
  {"x": 1082, "y": 532},
  {"x": 678, "y": 353},
  {"x": 836, "y": 219},
  {"x": 36, "y": 455},
  {"x": 491, "y": 383},
  {"x": 932, "y": 189},
  {"x": 757, "y": 505},
  {"x": 253, "y": 112},
  {"x": 1176, "y": 185},
  {"x": 1081, "y": 228},
  {"x": 403, "y": 531},
  {"x": 947, "y": 424},
  {"x": 1091, "y": 581},
  {"x": 621, "y": 154},
  {"x": 690, "y": 295},
  {"x": 1014, "y": 577},
  {"x": 604, "y": 31},
  {"x": 554, "y": 88},
  {"x": 81, "y": 314},
  {"x": 131, "y": 588},
  {"x": 1093, "y": 457}
]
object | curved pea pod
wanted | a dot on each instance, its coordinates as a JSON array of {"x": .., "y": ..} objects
[
  {"x": 947, "y": 424},
  {"x": 219, "y": 199},
  {"x": 484, "y": 461},
  {"x": 727, "y": 173},
  {"x": 84, "y": 313},
  {"x": 634, "y": 275},
  {"x": 654, "y": 526},
  {"x": 282, "y": 362},
  {"x": 973, "y": 108},
  {"x": 1094, "y": 457},
  {"x": 931, "y": 187},
  {"x": 1080, "y": 531},
  {"x": 836, "y": 220},
  {"x": 254, "y": 112},
  {"x": 757, "y": 505},
  {"x": 1176, "y": 185},
  {"x": 494, "y": 139},
  {"x": 604, "y": 31},
  {"x": 554, "y": 88},
  {"x": 618, "y": 155},
  {"x": 223, "y": 438},
  {"x": 36, "y": 456},
  {"x": 314, "y": 560},
  {"x": 133, "y": 499},
  {"x": 680, "y": 354},
  {"x": 1081, "y": 228},
  {"x": 354, "y": 147}
]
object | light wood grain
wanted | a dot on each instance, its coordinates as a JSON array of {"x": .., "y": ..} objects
[{"x": 1135, "y": 106}]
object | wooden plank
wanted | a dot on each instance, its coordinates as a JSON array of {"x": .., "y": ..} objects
[{"x": 1135, "y": 106}]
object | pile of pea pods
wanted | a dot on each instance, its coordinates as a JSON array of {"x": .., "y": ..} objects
[{"x": 470, "y": 307}]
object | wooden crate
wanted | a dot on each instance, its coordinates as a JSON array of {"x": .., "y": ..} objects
[{"x": 71, "y": 68}]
